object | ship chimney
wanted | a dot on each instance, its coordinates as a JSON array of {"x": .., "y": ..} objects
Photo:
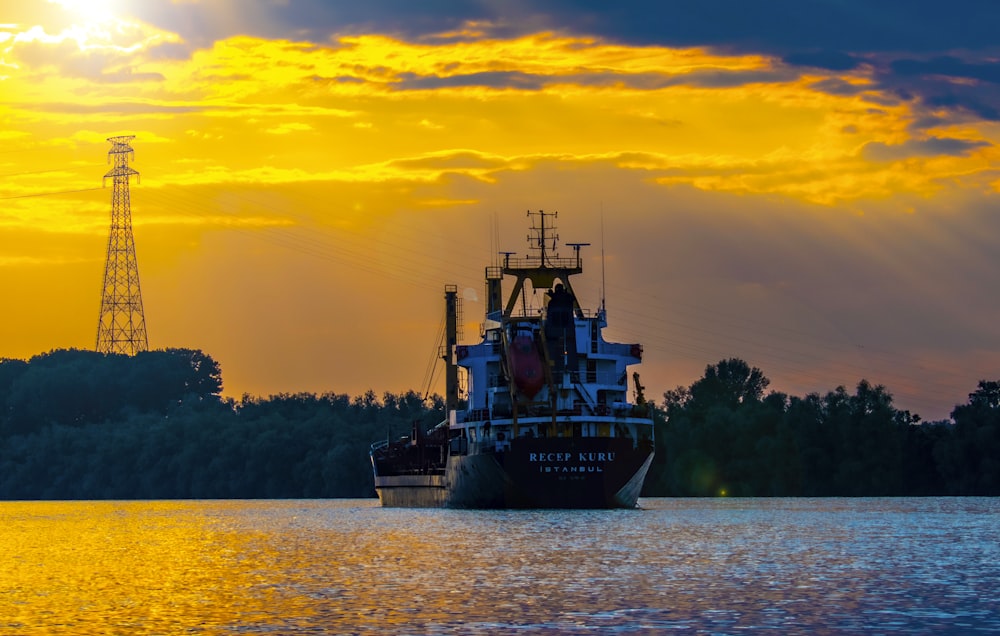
[{"x": 451, "y": 340}]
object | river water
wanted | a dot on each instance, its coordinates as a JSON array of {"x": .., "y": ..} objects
[{"x": 350, "y": 567}]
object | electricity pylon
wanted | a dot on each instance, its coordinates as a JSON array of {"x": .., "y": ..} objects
[{"x": 122, "y": 326}]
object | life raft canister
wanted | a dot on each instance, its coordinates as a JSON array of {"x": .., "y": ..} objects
[{"x": 526, "y": 365}]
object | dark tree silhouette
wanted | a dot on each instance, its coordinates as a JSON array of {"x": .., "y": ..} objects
[
  {"x": 723, "y": 435},
  {"x": 85, "y": 425}
]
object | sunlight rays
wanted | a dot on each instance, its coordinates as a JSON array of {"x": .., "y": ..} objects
[{"x": 300, "y": 153}]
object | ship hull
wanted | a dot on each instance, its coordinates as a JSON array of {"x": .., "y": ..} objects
[
  {"x": 530, "y": 473},
  {"x": 412, "y": 491}
]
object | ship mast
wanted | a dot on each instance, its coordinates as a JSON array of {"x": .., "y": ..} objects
[{"x": 542, "y": 269}]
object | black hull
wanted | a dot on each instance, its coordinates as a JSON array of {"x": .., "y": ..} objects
[{"x": 572, "y": 472}]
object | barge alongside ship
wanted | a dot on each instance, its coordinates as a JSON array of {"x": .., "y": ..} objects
[{"x": 547, "y": 422}]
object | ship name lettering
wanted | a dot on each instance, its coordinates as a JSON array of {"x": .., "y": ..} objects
[
  {"x": 597, "y": 457},
  {"x": 570, "y": 469},
  {"x": 549, "y": 457},
  {"x": 566, "y": 457}
]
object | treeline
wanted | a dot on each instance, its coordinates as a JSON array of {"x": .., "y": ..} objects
[
  {"x": 83, "y": 425},
  {"x": 724, "y": 436}
]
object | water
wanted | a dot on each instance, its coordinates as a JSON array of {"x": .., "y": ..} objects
[{"x": 349, "y": 567}]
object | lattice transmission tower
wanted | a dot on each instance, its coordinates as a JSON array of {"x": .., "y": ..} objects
[{"x": 122, "y": 326}]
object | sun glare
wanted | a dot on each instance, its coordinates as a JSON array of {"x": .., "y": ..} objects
[
  {"x": 97, "y": 24},
  {"x": 89, "y": 10}
]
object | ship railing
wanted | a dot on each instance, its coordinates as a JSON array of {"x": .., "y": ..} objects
[
  {"x": 474, "y": 415},
  {"x": 497, "y": 380},
  {"x": 536, "y": 262},
  {"x": 606, "y": 379},
  {"x": 537, "y": 312},
  {"x": 621, "y": 349},
  {"x": 616, "y": 409},
  {"x": 576, "y": 409}
]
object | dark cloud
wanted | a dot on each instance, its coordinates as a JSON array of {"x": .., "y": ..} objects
[
  {"x": 645, "y": 81},
  {"x": 877, "y": 151},
  {"x": 926, "y": 122},
  {"x": 970, "y": 88},
  {"x": 730, "y": 79},
  {"x": 837, "y": 86},
  {"x": 826, "y": 34},
  {"x": 828, "y": 60},
  {"x": 499, "y": 79},
  {"x": 169, "y": 51},
  {"x": 948, "y": 66},
  {"x": 319, "y": 21},
  {"x": 917, "y": 50},
  {"x": 980, "y": 103}
]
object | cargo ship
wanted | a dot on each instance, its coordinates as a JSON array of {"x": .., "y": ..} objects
[{"x": 545, "y": 420}]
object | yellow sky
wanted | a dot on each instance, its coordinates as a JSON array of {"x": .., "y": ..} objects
[{"x": 301, "y": 205}]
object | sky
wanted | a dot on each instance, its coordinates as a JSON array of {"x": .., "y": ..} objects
[{"x": 810, "y": 186}]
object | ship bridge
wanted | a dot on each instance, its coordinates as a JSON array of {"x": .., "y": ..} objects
[{"x": 543, "y": 268}]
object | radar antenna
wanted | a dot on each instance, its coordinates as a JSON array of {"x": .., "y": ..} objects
[{"x": 541, "y": 234}]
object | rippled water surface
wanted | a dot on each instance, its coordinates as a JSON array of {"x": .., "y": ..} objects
[{"x": 347, "y": 566}]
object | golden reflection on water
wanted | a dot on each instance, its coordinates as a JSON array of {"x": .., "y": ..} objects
[
  {"x": 318, "y": 567},
  {"x": 124, "y": 568}
]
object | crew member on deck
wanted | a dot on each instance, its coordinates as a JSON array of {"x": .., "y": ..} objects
[{"x": 560, "y": 330}]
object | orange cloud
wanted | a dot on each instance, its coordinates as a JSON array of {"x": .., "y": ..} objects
[{"x": 344, "y": 182}]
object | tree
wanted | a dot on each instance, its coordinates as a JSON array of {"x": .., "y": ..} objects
[
  {"x": 710, "y": 441},
  {"x": 729, "y": 383},
  {"x": 970, "y": 459},
  {"x": 724, "y": 435}
]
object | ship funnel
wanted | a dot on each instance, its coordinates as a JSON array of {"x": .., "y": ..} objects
[{"x": 451, "y": 340}]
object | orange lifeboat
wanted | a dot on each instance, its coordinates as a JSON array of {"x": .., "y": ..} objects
[{"x": 526, "y": 364}]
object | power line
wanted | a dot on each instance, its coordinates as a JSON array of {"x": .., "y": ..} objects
[
  {"x": 691, "y": 329},
  {"x": 47, "y": 194},
  {"x": 23, "y": 174}
]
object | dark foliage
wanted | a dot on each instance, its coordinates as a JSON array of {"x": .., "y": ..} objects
[
  {"x": 723, "y": 436},
  {"x": 83, "y": 425}
]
